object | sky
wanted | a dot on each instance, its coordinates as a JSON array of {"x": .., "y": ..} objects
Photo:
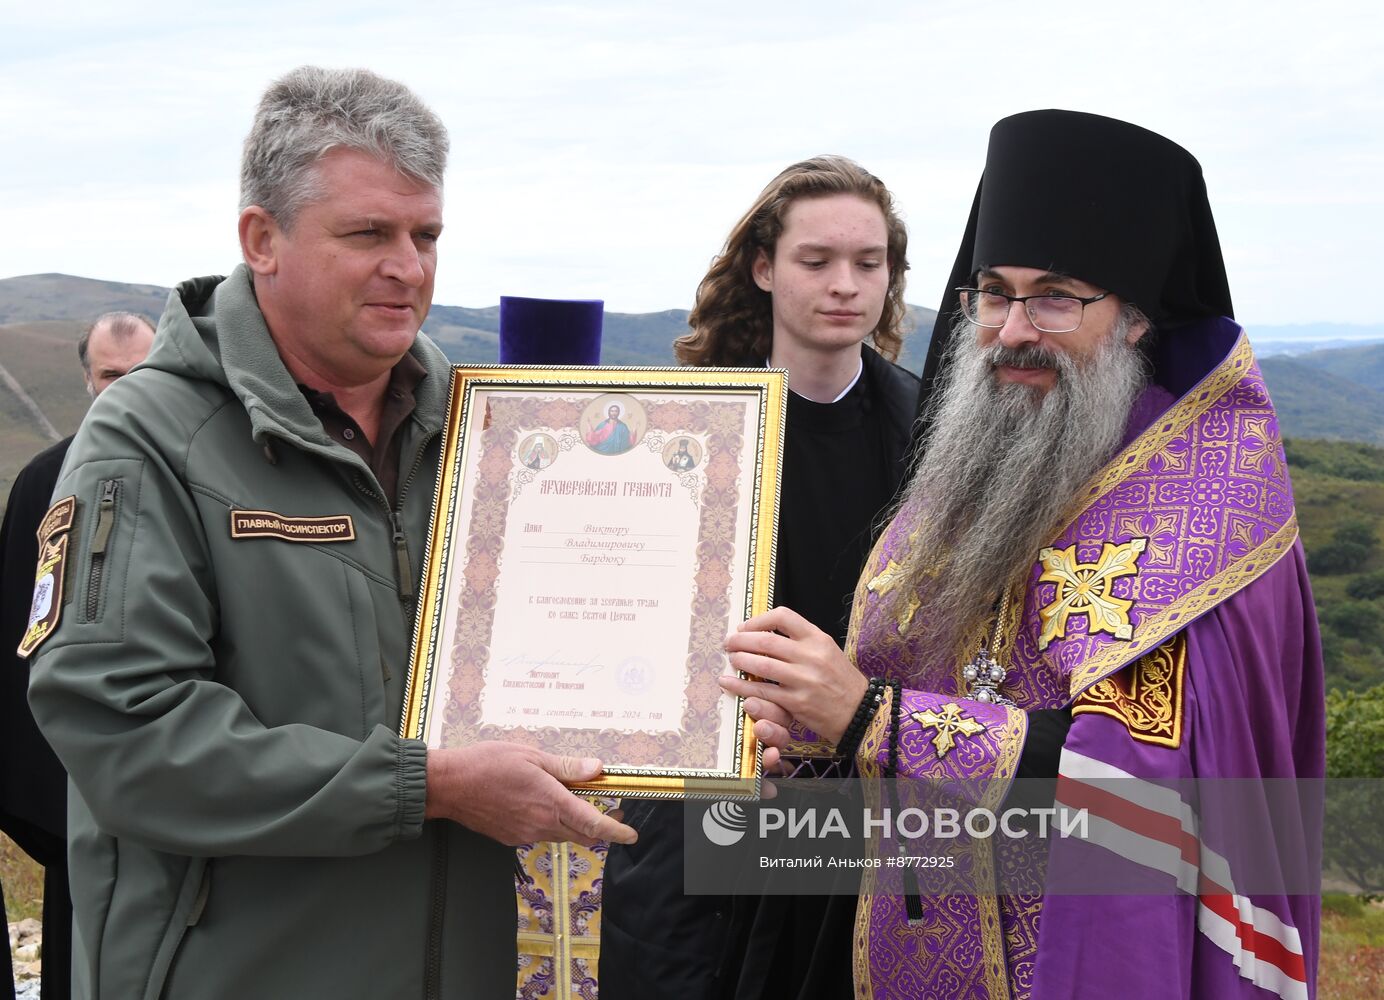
[{"x": 604, "y": 149}]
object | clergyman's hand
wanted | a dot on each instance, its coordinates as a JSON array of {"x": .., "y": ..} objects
[
  {"x": 515, "y": 794},
  {"x": 804, "y": 672}
]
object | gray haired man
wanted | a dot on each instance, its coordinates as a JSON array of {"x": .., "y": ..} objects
[
  {"x": 111, "y": 346},
  {"x": 226, "y": 695}
]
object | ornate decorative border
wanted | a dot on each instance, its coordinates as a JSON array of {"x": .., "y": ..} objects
[
  {"x": 765, "y": 391},
  {"x": 1148, "y": 700},
  {"x": 1153, "y": 631},
  {"x": 507, "y": 421}
]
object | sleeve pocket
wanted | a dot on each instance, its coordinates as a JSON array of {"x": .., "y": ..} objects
[{"x": 111, "y": 492}]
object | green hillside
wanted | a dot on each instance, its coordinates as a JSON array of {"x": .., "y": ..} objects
[
  {"x": 1339, "y": 488},
  {"x": 1314, "y": 401}
]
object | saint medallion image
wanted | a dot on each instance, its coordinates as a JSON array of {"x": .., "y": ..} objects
[
  {"x": 537, "y": 451},
  {"x": 682, "y": 454},
  {"x": 613, "y": 423}
]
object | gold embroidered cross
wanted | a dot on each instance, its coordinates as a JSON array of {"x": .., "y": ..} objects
[
  {"x": 885, "y": 581},
  {"x": 1087, "y": 589},
  {"x": 949, "y": 725}
]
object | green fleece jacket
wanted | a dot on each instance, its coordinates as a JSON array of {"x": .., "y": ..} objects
[{"x": 225, "y": 691}]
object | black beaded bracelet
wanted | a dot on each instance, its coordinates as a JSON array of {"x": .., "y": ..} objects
[{"x": 860, "y": 722}]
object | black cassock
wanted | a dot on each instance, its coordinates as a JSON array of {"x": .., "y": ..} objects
[
  {"x": 33, "y": 784},
  {"x": 842, "y": 466}
]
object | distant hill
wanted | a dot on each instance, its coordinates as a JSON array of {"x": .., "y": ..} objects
[
  {"x": 467, "y": 335},
  {"x": 1323, "y": 393},
  {"x": 1318, "y": 332},
  {"x": 1272, "y": 348},
  {"x": 35, "y": 297},
  {"x": 42, "y": 357},
  {"x": 1315, "y": 403},
  {"x": 472, "y": 336},
  {"x": 1329, "y": 394},
  {"x": 1363, "y": 365},
  {"x": 42, "y": 315}
]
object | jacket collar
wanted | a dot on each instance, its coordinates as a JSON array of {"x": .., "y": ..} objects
[{"x": 226, "y": 315}]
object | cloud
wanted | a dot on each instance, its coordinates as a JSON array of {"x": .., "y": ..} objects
[{"x": 604, "y": 150}]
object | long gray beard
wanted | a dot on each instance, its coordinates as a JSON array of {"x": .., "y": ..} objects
[{"x": 1002, "y": 469}]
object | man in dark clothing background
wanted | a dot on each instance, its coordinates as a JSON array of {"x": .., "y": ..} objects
[{"x": 33, "y": 785}]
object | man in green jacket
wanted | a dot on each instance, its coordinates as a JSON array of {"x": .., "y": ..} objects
[{"x": 225, "y": 592}]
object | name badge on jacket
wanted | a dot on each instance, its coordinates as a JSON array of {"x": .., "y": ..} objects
[{"x": 267, "y": 524}]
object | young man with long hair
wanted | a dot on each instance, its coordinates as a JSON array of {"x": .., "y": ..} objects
[{"x": 811, "y": 279}]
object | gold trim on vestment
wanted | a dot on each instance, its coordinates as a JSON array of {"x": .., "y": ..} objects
[
  {"x": 561, "y": 945},
  {"x": 562, "y": 920},
  {"x": 1010, "y": 743},
  {"x": 809, "y": 748},
  {"x": 1145, "y": 696},
  {"x": 1007, "y": 632},
  {"x": 867, "y": 758},
  {"x": 1174, "y": 617},
  {"x": 862, "y": 588},
  {"x": 541, "y": 945},
  {"x": 1169, "y": 426},
  {"x": 864, "y": 988}
]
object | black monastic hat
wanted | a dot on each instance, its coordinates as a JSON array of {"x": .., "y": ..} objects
[{"x": 1101, "y": 200}]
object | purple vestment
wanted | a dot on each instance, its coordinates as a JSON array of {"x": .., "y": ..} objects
[{"x": 1174, "y": 614}]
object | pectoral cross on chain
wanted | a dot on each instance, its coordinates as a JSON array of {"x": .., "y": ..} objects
[{"x": 949, "y": 725}]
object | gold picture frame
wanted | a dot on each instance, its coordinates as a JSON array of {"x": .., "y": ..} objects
[{"x": 593, "y": 527}]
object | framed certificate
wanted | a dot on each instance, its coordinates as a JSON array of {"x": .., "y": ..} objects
[{"x": 597, "y": 532}]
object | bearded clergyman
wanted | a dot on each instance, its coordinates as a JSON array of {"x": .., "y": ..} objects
[{"x": 1094, "y": 575}]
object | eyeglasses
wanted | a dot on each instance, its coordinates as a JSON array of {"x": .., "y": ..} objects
[{"x": 1049, "y": 312}]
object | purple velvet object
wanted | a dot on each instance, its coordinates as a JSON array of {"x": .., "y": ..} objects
[{"x": 550, "y": 331}]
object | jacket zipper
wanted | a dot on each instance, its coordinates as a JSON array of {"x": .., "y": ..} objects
[
  {"x": 100, "y": 539},
  {"x": 432, "y": 970},
  {"x": 403, "y": 566},
  {"x": 396, "y": 519},
  {"x": 403, "y": 570}
]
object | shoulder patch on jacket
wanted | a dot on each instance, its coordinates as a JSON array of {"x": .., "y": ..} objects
[
  {"x": 46, "y": 608},
  {"x": 267, "y": 524},
  {"x": 1146, "y": 695}
]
